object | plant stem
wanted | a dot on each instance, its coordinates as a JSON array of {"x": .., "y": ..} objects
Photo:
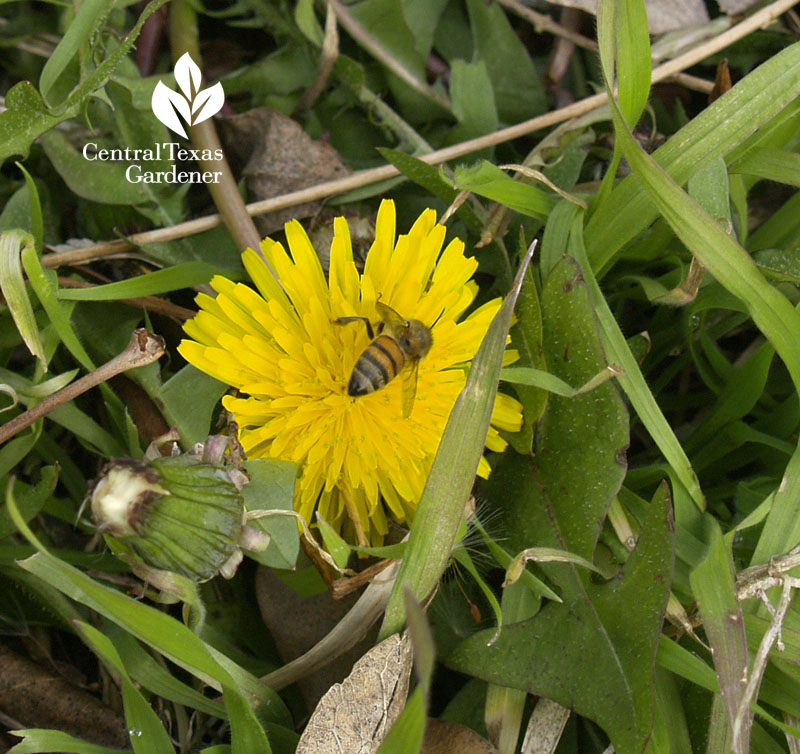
[
  {"x": 144, "y": 348},
  {"x": 663, "y": 72},
  {"x": 184, "y": 38}
]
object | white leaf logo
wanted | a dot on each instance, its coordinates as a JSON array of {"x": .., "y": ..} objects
[{"x": 192, "y": 105}]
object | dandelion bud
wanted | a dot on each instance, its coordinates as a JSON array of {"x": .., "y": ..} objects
[{"x": 176, "y": 514}]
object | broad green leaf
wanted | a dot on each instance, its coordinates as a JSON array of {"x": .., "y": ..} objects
[
  {"x": 560, "y": 495},
  {"x": 450, "y": 480},
  {"x": 271, "y": 487},
  {"x": 306, "y": 21},
  {"x": 12, "y": 285},
  {"x": 518, "y": 89},
  {"x": 472, "y": 101},
  {"x": 580, "y": 441},
  {"x": 488, "y": 180},
  {"x": 779, "y": 264},
  {"x": 617, "y": 624},
  {"x": 385, "y": 22},
  {"x": 422, "y": 17},
  {"x": 26, "y": 116},
  {"x": 189, "y": 398},
  {"x": 100, "y": 181}
]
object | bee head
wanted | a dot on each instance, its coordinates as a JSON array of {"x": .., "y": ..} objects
[{"x": 415, "y": 339}]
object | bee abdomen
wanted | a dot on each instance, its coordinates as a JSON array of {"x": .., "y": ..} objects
[{"x": 378, "y": 365}]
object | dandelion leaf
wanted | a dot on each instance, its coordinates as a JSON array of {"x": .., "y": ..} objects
[{"x": 595, "y": 652}]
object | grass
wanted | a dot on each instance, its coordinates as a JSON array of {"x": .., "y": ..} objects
[{"x": 652, "y": 490}]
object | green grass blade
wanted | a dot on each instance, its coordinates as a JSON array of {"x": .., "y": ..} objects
[
  {"x": 713, "y": 584},
  {"x": 90, "y": 14},
  {"x": 147, "y": 734},
  {"x": 12, "y": 285},
  {"x": 37, "y": 222},
  {"x": 453, "y": 472},
  {"x": 45, "y": 290},
  {"x": 716, "y": 131},
  {"x": 772, "y": 164},
  {"x": 162, "y": 281},
  {"x": 39, "y": 741}
]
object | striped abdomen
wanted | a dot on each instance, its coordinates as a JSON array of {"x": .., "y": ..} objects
[{"x": 380, "y": 363}]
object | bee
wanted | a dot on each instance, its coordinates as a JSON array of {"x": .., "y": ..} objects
[{"x": 398, "y": 347}]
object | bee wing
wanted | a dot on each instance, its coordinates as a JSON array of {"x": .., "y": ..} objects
[
  {"x": 389, "y": 316},
  {"x": 410, "y": 387}
]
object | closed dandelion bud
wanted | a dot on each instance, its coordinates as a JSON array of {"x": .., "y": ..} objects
[{"x": 177, "y": 514}]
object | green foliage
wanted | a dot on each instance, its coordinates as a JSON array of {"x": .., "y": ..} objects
[{"x": 647, "y": 394}]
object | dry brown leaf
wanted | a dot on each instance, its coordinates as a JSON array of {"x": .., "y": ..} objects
[
  {"x": 444, "y": 737},
  {"x": 355, "y": 715},
  {"x": 276, "y": 156},
  {"x": 662, "y": 15},
  {"x": 545, "y": 726}
]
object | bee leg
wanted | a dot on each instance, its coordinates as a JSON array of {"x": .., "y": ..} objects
[{"x": 347, "y": 320}]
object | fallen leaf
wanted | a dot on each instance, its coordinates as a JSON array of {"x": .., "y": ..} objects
[
  {"x": 354, "y": 716},
  {"x": 445, "y": 737},
  {"x": 662, "y": 15},
  {"x": 275, "y": 156}
]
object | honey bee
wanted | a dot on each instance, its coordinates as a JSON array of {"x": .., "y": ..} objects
[{"x": 398, "y": 347}]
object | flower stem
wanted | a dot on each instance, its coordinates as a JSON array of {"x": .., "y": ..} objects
[
  {"x": 144, "y": 348},
  {"x": 184, "y": 38}
]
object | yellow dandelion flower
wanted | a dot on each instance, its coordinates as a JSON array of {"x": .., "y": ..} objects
[{"x": 360, "y": 459}]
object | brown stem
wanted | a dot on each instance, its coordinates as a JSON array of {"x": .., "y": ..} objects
[
  {"x": 327, "y": 59},
  {"x": 225, "y": 193},
  {"x": 542, "y": 22},
  {"x": 380, "y": 53},
  {"x": 666, "y": 71},
  {"x": 154, "y": 304},
  {"x": 144, "y": 348}
]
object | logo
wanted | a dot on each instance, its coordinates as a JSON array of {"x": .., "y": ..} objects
[{"x": 193, "y": 106}]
